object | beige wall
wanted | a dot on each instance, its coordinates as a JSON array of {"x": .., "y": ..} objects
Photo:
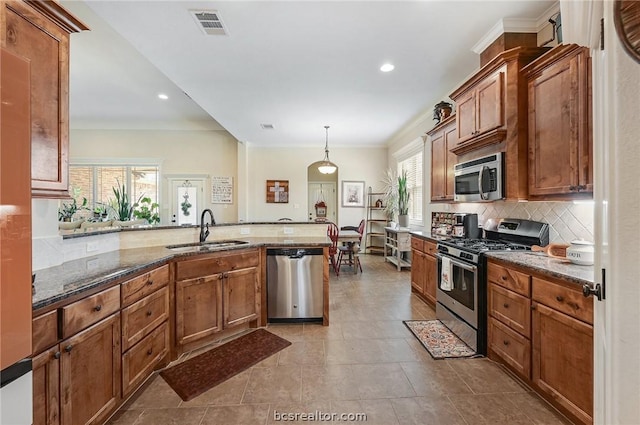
[{"x": 211, "y": 153}]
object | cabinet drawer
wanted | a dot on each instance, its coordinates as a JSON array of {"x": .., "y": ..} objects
[
  {"x": 512, "y": 347},
  {"x": 430, "y": 248},
  {"x": 220, "y": 263},
  {"x": 511, "y": 309},
  {"x": 510, "y": 279},
  {"x": 45, "y": 331},
  {"x": 90, "y": 310},
  {"x": 139, "y": 361},
  {"x": 141, "y": 286},
  {"x": 417, "y": 243},
  {"x": 563, "y": 299},
  {"x": 139, "y": 318}
]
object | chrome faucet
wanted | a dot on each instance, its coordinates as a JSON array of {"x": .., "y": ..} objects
[{"x": 204, "y": 228}]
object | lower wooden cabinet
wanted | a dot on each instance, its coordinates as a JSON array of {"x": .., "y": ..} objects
[
  {"x": 424, "y": 269},
  {"x": 141, "y": 360},
  {"x": 46, "y": 387},
  {"x": 542, "y": 328},
  {"x": 229, "y": 295}
]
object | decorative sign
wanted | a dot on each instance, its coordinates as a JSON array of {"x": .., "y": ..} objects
[
  {"x": 277, "y": 191},
  {"x": 221, "y": 190}
]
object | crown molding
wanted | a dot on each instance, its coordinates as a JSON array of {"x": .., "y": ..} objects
[{"x": 502, "y": 26}]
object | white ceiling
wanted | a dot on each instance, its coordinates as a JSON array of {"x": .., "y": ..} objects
[{"x": 298, "y": 65}]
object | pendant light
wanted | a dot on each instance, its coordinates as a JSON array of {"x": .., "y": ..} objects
[{"x": 326, "y": 166}]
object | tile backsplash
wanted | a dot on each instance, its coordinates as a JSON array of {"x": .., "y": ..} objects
[{"x": 567, "y": 221}]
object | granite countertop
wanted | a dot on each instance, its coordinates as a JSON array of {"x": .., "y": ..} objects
[
  {"x": 541, "y": 263},
  {"x": 74, "y": 277},
  {"x": 429, "y": 236}
]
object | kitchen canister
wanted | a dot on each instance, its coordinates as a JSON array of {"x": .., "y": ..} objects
[{"x": 581, "y": 252}]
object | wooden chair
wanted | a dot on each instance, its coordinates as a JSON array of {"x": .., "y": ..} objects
[
  {"x": 355, "y": 248},
  {"x": 332, "y": 233}
]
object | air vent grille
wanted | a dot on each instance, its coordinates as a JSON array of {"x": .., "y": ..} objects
[
  {"x": 267, "y": 126},
  {"x": 209, "y": 22}
]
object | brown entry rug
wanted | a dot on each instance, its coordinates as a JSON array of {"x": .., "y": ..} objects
[
  {"x": 439, "y": 341},
  {"x": 203, "y": 372}
]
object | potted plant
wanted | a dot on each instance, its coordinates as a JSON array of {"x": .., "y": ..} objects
[
  {"x": 121, "y": 205},
  {"x": 66, "y": 211},
  {"x": 147, "y": 210},
  {"x": 396, "y": 197}
]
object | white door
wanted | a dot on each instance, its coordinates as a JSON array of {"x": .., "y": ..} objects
[
  {"x": 323, "y": 191},
  {"x": 187, "y": 201}
]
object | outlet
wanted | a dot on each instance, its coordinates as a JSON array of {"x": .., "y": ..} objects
[
  {"x": 92, "y": 246},
  {"x": 93, "y": 264},
  {"x": 296, "y": 206},
  {"x": 289, "y": 241},
  {"x": 245, "y": 230},
  {"x": 288, "y": 230}
]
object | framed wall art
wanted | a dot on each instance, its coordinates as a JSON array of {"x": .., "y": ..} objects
[
  {"x": 277, "y": 191},
  {"x": 221, "y": 190},
  {"x": 353, "y": 194}
]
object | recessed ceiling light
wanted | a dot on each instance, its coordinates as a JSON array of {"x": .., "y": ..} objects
[
  {"x": 387, "y": 67},
  {"x": 163, "y": 96}
]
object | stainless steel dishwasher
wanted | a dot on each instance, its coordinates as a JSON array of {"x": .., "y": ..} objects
[{"x": 294, "y": 284}]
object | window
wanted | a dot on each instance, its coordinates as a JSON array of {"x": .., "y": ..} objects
[
  {"x": 413, "y": 166},
  {"x": 96, "y": 183}
]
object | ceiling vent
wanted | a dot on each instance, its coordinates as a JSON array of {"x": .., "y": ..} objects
[
  {"x": 267, "y": 126},
  {"x": 209, "y": 22}
]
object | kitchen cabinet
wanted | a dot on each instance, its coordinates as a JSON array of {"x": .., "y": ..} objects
[
  {"x": 560, "y": 140},
  {"x": 39, "y": 31},
  {"x": 542, "y": 329},
  {"x": 424, "y": 269},
  {"x": 214, "y": 293},
  {"x": 443, "y": 139},
  {"x": 46, "y": 387},
  {"x": 492, "y": 115}
]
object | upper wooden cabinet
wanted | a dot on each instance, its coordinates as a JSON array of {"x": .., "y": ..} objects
[
  {"x": 39, "y": 31},
  {"x": 491, "y": 115},
  {"x": 560, "y": 148},
  {"x": 443, "y": 139}
]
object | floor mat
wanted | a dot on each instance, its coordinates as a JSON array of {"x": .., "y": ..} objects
[
  {"x": 203, "y": 372},
  {"x": 439, "y": 341}
]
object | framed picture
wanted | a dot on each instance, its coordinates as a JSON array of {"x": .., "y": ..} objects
[
  {"x": 352, "y": 194},
  {"x": 277, "y": 191}
]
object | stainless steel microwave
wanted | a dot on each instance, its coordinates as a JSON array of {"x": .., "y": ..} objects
[{"x": 480, "y": 179}]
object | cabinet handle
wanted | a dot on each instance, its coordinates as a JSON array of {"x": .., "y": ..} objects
[
  {"x": 149, "y": 282},
  {"x": 98, "y": 307},
  {"x": 560, "y": 298},
  {"x": 149, "y": 351},
  {"x": 226, "y": 275},
  {"x": 505, "y": 342},
  {"x": 572, "y": 188},
  {"x": 505, "y": 305},
  {"x": 221, "y": 275},
  {"x": 503, "y": 277},
  {"x": 68, "y": 348},
  {"x": 533, "y": 307},
  {"x": 149, "y": 313},
  {"x": 56, "y": 355}
]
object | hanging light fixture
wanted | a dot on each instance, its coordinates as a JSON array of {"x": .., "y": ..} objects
[{"x": 326, "y": 166}]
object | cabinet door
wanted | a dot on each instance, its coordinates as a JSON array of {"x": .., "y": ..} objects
[
  {"x": 563, "y": 360},
  {"x": 559, "y": 142},
  {"x": 450, "y": 142},
  {"x": 46, "y": 387},
  {"x": 241, "y": 296},
  {"x": 489, "y": 104},
  {"x": 198, "y": 308},
  {"x": 90, "y": 373},
  {"x": 438, "y": 166},
  {"x": 30, "y": 35},
  {"x": 417, "y": 271},
  {"x": 431, "y": 278},
  {"x": 466, "y": 116}
]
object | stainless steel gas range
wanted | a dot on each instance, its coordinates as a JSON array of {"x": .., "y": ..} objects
[{"x": 462, "y": 283}]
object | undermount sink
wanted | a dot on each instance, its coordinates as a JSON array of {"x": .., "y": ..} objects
[{"x": 205, "y": 246}]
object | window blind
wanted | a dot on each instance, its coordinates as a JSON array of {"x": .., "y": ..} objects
[{"x": 413, "y": 166}]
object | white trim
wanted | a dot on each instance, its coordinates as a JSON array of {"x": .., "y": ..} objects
[
  {"x": 502, "y": 26},
  {"x": 413, "y": 147},
  {"x": 116, "y": 161},
  {"x": 543, "y": 19}
]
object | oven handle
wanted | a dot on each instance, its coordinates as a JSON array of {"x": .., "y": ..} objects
[
  {"x": 483, "y": 195},
  {"x": 458, "y": 263}
]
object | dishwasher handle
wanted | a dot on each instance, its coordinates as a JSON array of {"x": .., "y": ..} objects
[{"x": 294, "y": 253}]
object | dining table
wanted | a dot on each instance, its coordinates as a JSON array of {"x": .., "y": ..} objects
[{"x": 352, "y": 239}]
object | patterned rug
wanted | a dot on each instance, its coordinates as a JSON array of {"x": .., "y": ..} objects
[
  {"x": 439, "y": 341},
  {"x": 203, "y": 372}
]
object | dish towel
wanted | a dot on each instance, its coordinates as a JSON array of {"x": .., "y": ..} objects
[{"x": 446, "y": 282}]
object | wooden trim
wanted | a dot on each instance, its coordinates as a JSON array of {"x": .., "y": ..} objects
[
  {"x": 58, "y": 15},
  {"x": 441, "y": 124},
  {"x": 489, "y": 138}
]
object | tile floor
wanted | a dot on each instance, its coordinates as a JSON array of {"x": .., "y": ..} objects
[{"x": 366, "y": 361}]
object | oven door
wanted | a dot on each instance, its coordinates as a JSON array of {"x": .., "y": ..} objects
[{"x": 462, "y": 299}]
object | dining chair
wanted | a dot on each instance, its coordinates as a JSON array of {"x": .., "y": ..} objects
[
  {"x": 351, "y": 257},
  {"x": 332, "y": 232}
]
